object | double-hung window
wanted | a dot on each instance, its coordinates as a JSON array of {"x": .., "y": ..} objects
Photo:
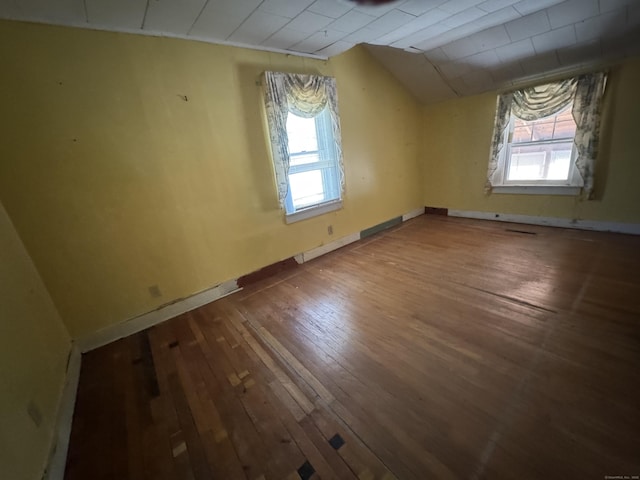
[
  {"x": 541, "y": 152},
  {"x": 314, "y": 173},
  {"x": 545, "y": 138},
  {"x": 304, "y": 130}
]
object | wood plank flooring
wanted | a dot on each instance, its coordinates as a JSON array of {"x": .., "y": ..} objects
[{"x": 443, "y": 348}]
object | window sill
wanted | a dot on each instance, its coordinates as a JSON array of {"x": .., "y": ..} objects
[
  {"x": 569, "y": 190},
  {"x": 313, "y": 211}
]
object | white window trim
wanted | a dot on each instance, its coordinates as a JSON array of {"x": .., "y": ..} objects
[
  {"x": 326, "y": 206},
  {"x": 313, "y": 211},
  {"x": 570, "y": 187}
]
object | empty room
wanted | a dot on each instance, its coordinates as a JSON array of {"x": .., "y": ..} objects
[{"x": 304, "y": 239}]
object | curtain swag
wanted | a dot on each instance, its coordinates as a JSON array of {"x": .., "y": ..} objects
[
  {"x": 541, "y": 101},
  {"x": 305, "y": 96}
]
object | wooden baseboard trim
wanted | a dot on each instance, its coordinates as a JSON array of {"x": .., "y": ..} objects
[
  {"x": 436, "y": 211},
  {"x": 594, "y": 225},
  {"x": 58, "y": 457},
  {"x": 267, "y": 271}
]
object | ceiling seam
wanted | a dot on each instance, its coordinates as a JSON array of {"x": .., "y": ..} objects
[
  {"x": 144, "y": 17},
  {"x": 197, "y": 17},
  {"x": 442, "y": 77},
  {"x": 244, "y": 21}
]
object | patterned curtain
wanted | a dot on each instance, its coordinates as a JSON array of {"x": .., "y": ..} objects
[
  {"x": 503, "y": 114},
  {"x": 587, "y": 112},
  {"x": 542, "y": 101},
  {"x": 305, "y": 96}
]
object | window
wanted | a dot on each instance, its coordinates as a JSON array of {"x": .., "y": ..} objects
[
  {"x": 545, "y": 138},
  {"x": 541, "y": 152},
  {"x": 304, "y": 130},
  {"x": 313, "y": 169}
]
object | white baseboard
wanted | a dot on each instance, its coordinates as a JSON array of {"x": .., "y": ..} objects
[
  {"x": 58, "y": 457},
  {"x": 413, "y": 214},
  {"x": 629, "y": 228},
  {"x": 354, "y": 237},
  {"x": 326, "y": 248},
  {"x": 146, "y": 320}
]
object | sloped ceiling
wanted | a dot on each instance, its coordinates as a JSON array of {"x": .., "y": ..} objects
[{"x": 438, "y": 49}]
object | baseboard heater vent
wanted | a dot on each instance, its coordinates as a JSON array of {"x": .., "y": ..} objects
[{"x": 380, "y": 227}]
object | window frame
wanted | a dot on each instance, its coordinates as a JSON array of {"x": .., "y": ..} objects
[
  {"x": 332, "y": 194},
  {"x": 500, "y": 183}
]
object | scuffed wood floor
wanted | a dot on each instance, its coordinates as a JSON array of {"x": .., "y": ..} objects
[{"x": 444, "y": 348}]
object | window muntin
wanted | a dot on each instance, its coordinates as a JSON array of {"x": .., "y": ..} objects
[
  {"x": 313, "y": 169},
  {"x": 541, "y": 151}
]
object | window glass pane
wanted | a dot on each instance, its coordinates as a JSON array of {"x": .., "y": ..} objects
[
  {"x": 551, "y": 161},
  {"x": 302, "y": 134},
  {"x": 542, "y": 130},
  {"x": 565, "y": 129},
  {"x": 306, "y": 188},
  {"x": 558, "y": 126}
]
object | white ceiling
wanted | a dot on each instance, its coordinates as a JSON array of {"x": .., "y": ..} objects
[{"x": 439, "y": 49}]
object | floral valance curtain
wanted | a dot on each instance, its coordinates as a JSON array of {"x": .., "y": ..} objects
[
  {"x": 302, "y": 95},
  {"x": 541, "y": 101}
]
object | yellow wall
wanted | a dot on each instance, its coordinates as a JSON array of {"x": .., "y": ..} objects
[
  {"x": 33, "y": 353},
  {"x": 115, "y": 183},
  {"x": 456, "y": 139}
]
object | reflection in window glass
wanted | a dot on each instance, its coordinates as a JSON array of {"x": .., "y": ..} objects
[
  {"x": 306, "y": 188},
  {"x": 302, "y": 134}
]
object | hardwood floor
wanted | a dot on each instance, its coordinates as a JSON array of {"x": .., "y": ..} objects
[{"x": 443, "y": 348}]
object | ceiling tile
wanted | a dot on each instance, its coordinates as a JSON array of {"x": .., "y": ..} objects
[
  {"x": 436, "y": 55},
  {"x": 413, "y": 26},
  {"x": 460, "y": 48},
  {"x": 432, "y": 34},
  {"x": 506, "y": 74},
  {"x": 418, "y": 7},
  {"x": 560, "y": 38},
  {"x": 309, "y": 22},
  {"x": 457, "y": 6},
  {"x": 170, "y": 16},
  {"x": 478, "y": 80},
  {"x": 351, "y": 22},
  {"x": 491, "y": 38},
  {"x": 528, "y": 26},
  {"x": 540, "y": 63},
  {"x": 379, "y": 10},
  {"x": 454, "y": 69},
  {"x": 318, "y": 41},
  {"x": 118, "y": 13},
  {"x": 483, "y": 59},
  {"x": 609, "y": 5},
  {"x": 427, "y": 20},
  {"x": 60, "y": 11},
  {"x": 525, "y": 7},
  {"x": 390, "y": 21},
  {"x": 284, "y": 8},
  {"x": 221, "y": 18},
  {"x": 579, "y": 53},
  {"x": 330, "y": 8},
  {"x": 466, "y": 16},
  {"x": 335, "y": 49},
  {"x": 516, "y": 51},
  {"x": 494, "y": 5},
  {"x": 258, "y": 27},
  {"x": 572, "y": 11},
  {"x": 601, "y": 26},
  {"x": 285, "y": 38}
]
